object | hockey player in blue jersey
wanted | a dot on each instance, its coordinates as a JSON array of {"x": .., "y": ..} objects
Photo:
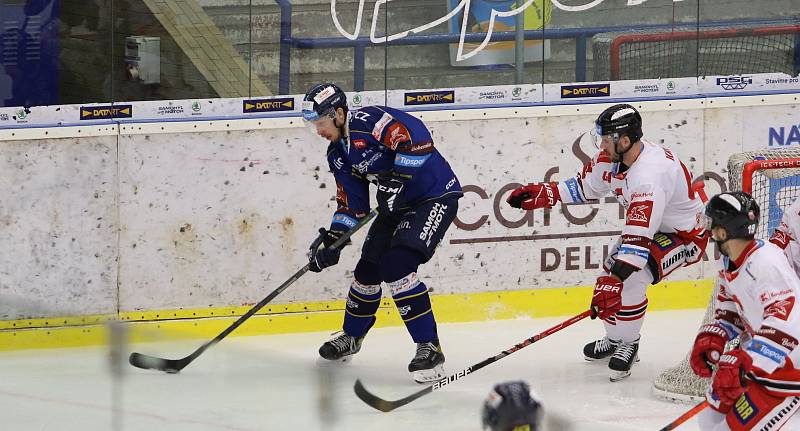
[{"x": 417, "y": 197}]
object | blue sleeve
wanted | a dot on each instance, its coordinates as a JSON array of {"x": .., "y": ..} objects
[{"x": 352, "y": 194}]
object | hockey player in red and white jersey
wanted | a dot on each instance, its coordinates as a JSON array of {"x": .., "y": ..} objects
[
  {"x": 787, "y": 234},
  {"x": 662, "y": 229},
  {"x": 755, "y": 386}
]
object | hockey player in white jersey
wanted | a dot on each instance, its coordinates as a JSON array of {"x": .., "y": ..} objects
[
  {"x": 755, "y": 386},
  {"x": 787, "y": 234},
  {"x": 662, "y": 229}
]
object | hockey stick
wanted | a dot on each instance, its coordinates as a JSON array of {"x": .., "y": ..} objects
[
  {"x": 387, "y": 406},
  {"x": 175, "y": 365},
  {"x": 686, "y": 416}
]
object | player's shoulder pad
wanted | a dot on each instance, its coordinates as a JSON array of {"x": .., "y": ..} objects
[
  {"x": 769, "y": 252},
  {"x": 364, "y": 118}
]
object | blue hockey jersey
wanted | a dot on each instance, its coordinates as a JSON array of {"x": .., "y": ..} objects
[{"x": 383, "y": 139}]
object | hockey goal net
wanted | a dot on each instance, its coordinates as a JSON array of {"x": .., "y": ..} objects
[
  {"x": 772, "y": 177},
  {"x": 686, "y": 51}
]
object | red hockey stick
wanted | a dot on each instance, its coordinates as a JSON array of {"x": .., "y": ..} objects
[
  {"x": 685, "y": 417},
  {"x": 387, "y": 405}
]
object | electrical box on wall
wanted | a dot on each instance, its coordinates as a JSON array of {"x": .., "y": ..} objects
[{"x": 143, "y": 59}]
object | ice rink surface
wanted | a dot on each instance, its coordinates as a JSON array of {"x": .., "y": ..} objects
[{"x": 275, "y": 382}]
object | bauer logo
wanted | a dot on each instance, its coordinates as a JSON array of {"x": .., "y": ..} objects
[
  {"x": 430, "y": 97},
  {"x": 268, "y": 105},
  {"x": 586, "y": 90},
  {"x": 734, "y": 82},
  {"x": 106, "y": 112}
]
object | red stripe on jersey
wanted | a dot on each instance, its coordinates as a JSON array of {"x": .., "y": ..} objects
[
  {"x": 634, "y": 307},
  {"x": 688, "y": 178},
  {"x": 630, "y": 318}
]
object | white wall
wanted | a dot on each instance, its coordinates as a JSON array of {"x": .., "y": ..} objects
[{"x": 220, "y": 214}]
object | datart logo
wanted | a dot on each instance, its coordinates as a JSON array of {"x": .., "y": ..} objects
[
  {"x": 106, "y": 112},
  {"x": 585, "y": 90},
  {"x": 430, "y": 97},
  {"x": 268, "y": 105},
  {"x": 734, "y": 82}
]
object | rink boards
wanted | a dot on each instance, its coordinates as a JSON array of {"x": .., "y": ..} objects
[{"x": 179, "y": 224}]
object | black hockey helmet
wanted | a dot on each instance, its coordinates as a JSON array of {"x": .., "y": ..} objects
[
  {"x": 736, "y": 212},
  {"x": 322, "y": 100},
  {"x": 621, "y": 119},
  {"x": 511, "y": 406}
]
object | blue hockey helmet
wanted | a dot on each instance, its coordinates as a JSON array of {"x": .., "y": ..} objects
[
  {"x": 322, "y": 100},
  {"x": 511, "y": 406}
]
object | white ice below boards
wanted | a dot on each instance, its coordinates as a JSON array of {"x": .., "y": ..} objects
[{"x": 275, "y": 382}]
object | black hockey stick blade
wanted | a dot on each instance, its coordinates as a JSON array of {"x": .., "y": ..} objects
[
  {"x": 148, "y": 362},
  {"x": 386, "y": 405},
  {"x": 175, "y": 365}
]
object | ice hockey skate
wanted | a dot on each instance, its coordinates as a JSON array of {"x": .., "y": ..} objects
[
  {"x": 622, "y": 361},
  {"x": 600, "y": 349},
  {"x": 427, "y": 365},
  {"x": 341, "y": 347}
]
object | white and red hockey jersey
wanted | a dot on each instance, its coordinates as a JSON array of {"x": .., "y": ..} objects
[
  {"x": 757, "y": 294},
  {"x": 656, "y": 191},
  {"x": 786, "y": 235}
]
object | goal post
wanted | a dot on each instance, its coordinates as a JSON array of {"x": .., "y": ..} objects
[{"x": 696, "y": 51}]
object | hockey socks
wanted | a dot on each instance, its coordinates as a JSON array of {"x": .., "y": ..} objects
[
  {"x": 362, "y": 304},
  {"x": 414, "y": 305}
]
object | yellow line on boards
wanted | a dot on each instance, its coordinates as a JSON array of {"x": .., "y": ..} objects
[{"x": 153, "y": 326}]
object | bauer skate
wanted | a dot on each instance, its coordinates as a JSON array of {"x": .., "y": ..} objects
[
  {"x": 427, "y": 365},
  {"x": 600, "y": 349},
  {"x": 622, "y": 361},
  {"x": 341, "y": 347}
]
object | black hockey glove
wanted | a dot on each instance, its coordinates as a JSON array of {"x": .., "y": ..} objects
[
  {"x": 320, "y": 254},
  {"x": 390, "y": 184}
]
